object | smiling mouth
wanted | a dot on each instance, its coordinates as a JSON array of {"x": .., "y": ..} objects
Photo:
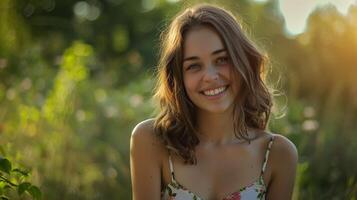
[{"x": 214, "y": 92}]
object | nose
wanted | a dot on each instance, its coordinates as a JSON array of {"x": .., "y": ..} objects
[{"x": 211, "y": 73}]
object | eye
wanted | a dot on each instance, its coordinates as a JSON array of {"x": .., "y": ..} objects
[
  {"x": 222, "y": 60},
  {"x": 193, "y": 67}
]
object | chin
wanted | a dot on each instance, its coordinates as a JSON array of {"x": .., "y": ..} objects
[{"x": 215, "y": 109}]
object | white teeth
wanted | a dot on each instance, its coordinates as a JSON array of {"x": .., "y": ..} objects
[{"x": 214, "y": 91}]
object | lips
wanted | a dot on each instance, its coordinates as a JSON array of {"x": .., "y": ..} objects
[{"x": 214, "y": 91}]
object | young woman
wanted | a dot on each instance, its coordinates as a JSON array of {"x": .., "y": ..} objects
[{"x": 209, "y": 140}]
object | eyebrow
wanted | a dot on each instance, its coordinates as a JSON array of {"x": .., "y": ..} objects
[{"x": 213, "y": 53}]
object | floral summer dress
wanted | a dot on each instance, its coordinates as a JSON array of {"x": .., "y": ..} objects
[{"x": 253, "y": 191}]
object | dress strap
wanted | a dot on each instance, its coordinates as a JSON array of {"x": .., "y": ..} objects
[
  {"x": 267, "y": 154},
  {"x": 171, "y": 169}
]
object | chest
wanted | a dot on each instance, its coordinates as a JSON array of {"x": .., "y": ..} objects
[
  {"x": 221, "y": 165},
  {"x": 219, "y": 172}
]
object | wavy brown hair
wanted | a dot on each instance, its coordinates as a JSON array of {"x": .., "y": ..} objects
[{"x": 176, "y": 122}]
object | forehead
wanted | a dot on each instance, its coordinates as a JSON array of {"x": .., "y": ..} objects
[{"x": 200, "y": 40}]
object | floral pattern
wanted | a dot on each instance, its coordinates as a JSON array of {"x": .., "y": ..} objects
[{"x": 254, "y": 191}]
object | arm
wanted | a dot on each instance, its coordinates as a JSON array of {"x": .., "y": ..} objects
[
  {"x": 145, "y": 163},
  {"x": 284, "y": 159}
]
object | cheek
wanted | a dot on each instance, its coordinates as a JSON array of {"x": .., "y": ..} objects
[
  {"x": 227, "y": 72},
  {"x": 190, "y": 83},
  {"x": 235, "y": 79}
]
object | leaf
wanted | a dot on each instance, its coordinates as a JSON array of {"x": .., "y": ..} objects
[
  {"x": 3, "y": 197},
  {"x": 5, "y": 165},
  {"x": 22, "y": 172},
  {"x": 6, "y": 187},
  {"x": 35, "y": 192},
  {"x": 2, "y": 184},
  {"x": 23, "y": 187}
]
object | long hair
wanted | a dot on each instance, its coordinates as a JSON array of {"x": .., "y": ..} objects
[{"x": 176, "y": 122}]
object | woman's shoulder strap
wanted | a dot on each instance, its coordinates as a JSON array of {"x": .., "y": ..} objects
[{"x": 266, "y": 157}]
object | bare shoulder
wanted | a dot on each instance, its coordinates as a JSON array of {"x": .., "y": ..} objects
[
  {"x": 284, "y": 160},
  {"x": 143, "y": 130},
  {"x": 283, "y": 152},
  {"x": 145, "y": 161},
  {"x": 143, "y": 137},
  {"x": 283, "y": 146}
]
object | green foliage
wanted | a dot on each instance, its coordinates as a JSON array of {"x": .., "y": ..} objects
[
  {"x": 72, "y": 71},
  {"x": 5, "y": 165},
  {"x": 14, "y": 179}
]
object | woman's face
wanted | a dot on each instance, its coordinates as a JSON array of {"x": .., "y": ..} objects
[{"x": 208, "y": 71}]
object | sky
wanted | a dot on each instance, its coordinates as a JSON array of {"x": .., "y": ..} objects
[{"x": 296, "y": 12}]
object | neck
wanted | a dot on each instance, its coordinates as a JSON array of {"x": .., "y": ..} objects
[{"x": 216, "y": 128}]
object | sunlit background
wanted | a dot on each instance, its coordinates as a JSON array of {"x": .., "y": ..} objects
[
  {"x": 296, "y": 12},
  {"x": 76, "y": 76}
]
